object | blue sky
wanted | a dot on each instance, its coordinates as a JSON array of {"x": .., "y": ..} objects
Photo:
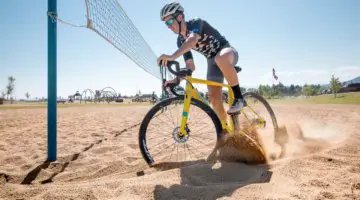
[{"x": 305, "y": 41}]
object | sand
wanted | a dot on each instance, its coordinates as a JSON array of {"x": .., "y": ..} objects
[{"x": 99, "y": 158}]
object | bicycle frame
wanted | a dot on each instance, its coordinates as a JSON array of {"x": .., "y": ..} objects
[{"x": 191, "y": 92}]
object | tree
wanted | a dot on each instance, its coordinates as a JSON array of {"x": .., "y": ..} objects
[
  {"x": 278, "y": 90},
  {"x": 335, "y": 85},
  {"x": 307, "y": 90},
  {"x": 252, "y": 90},
  {"x": 265, "y": 90},
  {"x": 27, "y": 95},
  {"x": 10, "y": 87},
  {"x": 242, "y": 89},
  {"x": 291, "y": 90}
]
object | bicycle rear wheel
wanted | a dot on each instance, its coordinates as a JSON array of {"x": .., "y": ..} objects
[
  {"x": 159, "y": 141},
  {"x": 260, "y": 107},
  {"x": 259, "y": 116}
]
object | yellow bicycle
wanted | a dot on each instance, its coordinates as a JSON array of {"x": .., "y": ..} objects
[{"x": 184, "y": 128}]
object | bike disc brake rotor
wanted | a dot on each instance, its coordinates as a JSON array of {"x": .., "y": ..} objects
[{"x": 178, "y": 138}]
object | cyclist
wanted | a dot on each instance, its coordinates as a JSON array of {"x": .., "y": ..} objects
[{"x": 199, "y": 35}]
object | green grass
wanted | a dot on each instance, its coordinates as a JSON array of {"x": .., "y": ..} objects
[
  {"x": 69, "y": 105},
  {"x": 343, "y": 98}
]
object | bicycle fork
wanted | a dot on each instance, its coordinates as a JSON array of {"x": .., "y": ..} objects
[{"x": 183, "y": 131}]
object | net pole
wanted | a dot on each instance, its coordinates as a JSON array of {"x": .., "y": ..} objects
[{"x": 52, "y": 93}]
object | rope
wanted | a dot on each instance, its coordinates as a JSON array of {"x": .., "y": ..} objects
[{"x": 55, "y": 18}]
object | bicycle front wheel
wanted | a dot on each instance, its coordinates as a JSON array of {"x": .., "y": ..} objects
[{"x": 160, "y": 142}]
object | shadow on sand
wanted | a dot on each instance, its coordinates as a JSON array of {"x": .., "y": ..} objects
[{"x": 201, "y": 180}]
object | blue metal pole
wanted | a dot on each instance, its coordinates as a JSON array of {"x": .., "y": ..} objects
[{"x": 52, "y": 93}]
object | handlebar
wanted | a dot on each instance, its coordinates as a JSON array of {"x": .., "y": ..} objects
[
  {"x": 177, "y": 65},
  {"x": 180, "y": 72}
]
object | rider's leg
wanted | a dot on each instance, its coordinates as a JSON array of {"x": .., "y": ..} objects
[
  {"x": 215, "y": 96},
  {"x": 226, "y": 60},
  {"x": 215, "y": 93}
]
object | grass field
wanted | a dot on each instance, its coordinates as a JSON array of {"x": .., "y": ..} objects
[{"x": 343, "y": 98}]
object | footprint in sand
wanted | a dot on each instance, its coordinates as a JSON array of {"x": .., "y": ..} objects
[
  {"x": 17, "y": 160},
  {"x": 103, "y": 150}
]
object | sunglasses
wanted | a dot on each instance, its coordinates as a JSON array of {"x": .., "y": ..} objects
[{"x": 169, "y": 22}]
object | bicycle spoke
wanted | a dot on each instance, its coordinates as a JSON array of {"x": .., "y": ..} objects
[
  {"x": 172, "y": 118},
  {"x": 163, "y": 122},
  {"x": 198, "y": 136},
  {"x": 193, "y": 152},
  {"x": 199, "y": 128},
  {"x": 163, "y": 149},
  {"x": 187, "y": 146},
  {"x": 184, "y": 152},
  {"x": 245, "y": 115},
  {"x": 177, "y": 152},
  {"x": 192, "y": 119},
  {"x": 178, "y": 121},
  {"x": 201, "y": 142},
  {"x": 163, "y": 142},
  {"x": 157, "y": 137},
  {"x": 163, "y": 131},
  {"x": 172, "y": 152},
  {"x": 193, "y": 115}
]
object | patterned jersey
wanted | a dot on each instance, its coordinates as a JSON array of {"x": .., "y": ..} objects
[{"x": 210, "y": 43}]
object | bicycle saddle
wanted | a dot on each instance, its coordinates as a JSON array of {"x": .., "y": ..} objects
[{"x": 238, "y": 69}]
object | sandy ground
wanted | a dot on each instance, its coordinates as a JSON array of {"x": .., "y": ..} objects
[{"x": 99, "y": 158}]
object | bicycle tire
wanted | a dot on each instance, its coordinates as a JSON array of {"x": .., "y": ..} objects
[
  {"x": 163, "y": 104},
  {"x": 267, "y": 106}
]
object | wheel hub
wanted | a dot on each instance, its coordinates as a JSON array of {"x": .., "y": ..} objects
[
  {"x": 178, "y": 138},
  {"x": 260, "y": 122}
]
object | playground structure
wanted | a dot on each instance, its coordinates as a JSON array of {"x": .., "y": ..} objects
[
  {"x": 108, "y": 95},
  {"x": 105, "y": 95},
  {"x": 87, "y": 95}
]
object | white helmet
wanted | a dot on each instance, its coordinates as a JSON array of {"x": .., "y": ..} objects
[{"x": 171, "y": 9}]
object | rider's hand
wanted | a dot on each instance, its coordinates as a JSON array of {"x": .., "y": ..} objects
[{"x": 164, "y": 59}]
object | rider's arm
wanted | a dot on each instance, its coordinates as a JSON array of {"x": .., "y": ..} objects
[
  {"x": 190, "y": 64},
  {"x": 189, "y": 43},
  {"x": 188, "y": 57}
]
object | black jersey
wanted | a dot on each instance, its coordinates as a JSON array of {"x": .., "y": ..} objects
[{"x": 210, "y": 43}]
